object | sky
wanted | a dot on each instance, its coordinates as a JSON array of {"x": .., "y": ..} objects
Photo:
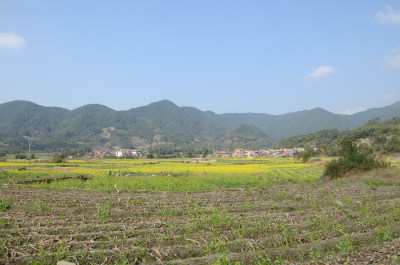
[{"x": 226, "y": 56}]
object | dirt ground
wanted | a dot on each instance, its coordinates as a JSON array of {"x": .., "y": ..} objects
[{"x": 350, "y": 221}]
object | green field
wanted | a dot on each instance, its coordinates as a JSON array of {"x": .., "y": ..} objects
[
  {"x": 223, "y": 211},
  {"x": 168, "y": 175}
]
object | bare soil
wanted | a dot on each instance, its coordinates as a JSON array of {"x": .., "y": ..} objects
[{"x": 325, "y": 222}]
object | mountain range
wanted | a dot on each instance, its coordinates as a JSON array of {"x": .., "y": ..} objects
[{"x": 163, "y": 124}]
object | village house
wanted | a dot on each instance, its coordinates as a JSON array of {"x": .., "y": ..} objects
[
  {"x": 238, "y": 153},
  {"x": 287, "y": 152},
  {"x": 263, "y": 153},
  {"x": 128, "y": 153},
  {"x": 224, "y": 154},
  {"x": 101, "y": 154}
]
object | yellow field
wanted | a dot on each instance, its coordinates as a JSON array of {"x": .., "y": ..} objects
[{"x": 173, "y": 174}]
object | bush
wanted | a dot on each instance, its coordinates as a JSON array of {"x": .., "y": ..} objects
[
  {"x": 59, "y": 158},
  {"x": 334, "y": 169},
  {"x": 354, "y": 157},
  {"x": 307, "y": 154},
  {"x": 20, "y": 156}
]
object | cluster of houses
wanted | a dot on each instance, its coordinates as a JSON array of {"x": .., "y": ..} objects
[
  {"x": 261, "y": 153},
  {"x": 129, "y": 153},
  {"x": 123, "y": 153}
]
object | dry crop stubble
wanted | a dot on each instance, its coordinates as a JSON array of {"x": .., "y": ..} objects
[
  {"x": 293, "y": 222},
  {"x": 279, "y": 212}
]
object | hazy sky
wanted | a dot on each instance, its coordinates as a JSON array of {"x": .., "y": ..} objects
[{"x": 226, "y": 56}]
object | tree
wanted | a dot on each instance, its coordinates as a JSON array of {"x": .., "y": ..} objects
[
  {"x": 354, "y": 157},
  {"x": 20, "y": 156},
  {"x": 59, "y": 158},
  {"x": 205, "y": 153},
  {"x": 307, "y": 154},
  {"x": 374, "y": 121},
  {"x": 393, "y": 144}
]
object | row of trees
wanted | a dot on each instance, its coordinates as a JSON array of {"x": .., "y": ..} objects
[{"x": 173, "y": 153}]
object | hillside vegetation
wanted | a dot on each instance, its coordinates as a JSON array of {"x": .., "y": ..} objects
[
  {"x": 163, "y": 125},
  {"x": 380, "y": 136}
]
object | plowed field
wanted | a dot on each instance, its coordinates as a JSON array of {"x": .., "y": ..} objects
[{"x": 354, "y": 220}]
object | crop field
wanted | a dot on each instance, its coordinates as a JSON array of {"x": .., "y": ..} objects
[
  {"x": 166, "y": 175},
  {"x": 226, "y": 211}
]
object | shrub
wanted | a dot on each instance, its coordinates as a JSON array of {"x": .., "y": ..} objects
[
  {"x": 307, "y": 154},
  {"x": 59, "y": 158},
  {"x": 334, "y": 169},
  {"x": 5, "y": 205},
  {"x": 354, "y": 157},
  {"x": 20, "y": 156}
]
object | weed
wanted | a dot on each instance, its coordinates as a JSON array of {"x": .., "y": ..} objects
[
  {"x": 394, "y": 211},
  {"x": 365, "y": 209},
  {"x": 121, "y": 259},
  {"x": 374, "y": 220},
  {"x": 315, "y": 255},
  {"x": 5, "y": 205},
  {"x": 214, "y": 245},
  {"x": 42, "y": 207},
  {"x": 381, "y": 183},
  {"x": 279, "y": 197},
  {"x": 266, "y": 260},
  {"x": 104, "y": 210},
  {"x": 62, "y": 252},
  {"x": 42, "y": 257},
  {"x": 289, "y": 233},
  {"x": 170, "y": 212},
  {"x": 194, "y": 209},
  {"x": 345, "y": 245},
  {"x": 224, "y": 260},
  {"x": 219, "y": 217},
  {"x": 137, "y": 202},
  {"x": 383, "y": 234}
]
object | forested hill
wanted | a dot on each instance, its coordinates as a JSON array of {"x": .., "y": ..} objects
[
  {"x": 381, "y": 136},
  {"x": 295, "y": 123},
  {"x": 163, "y": 124}
]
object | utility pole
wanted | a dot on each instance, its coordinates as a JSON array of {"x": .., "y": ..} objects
[{"x": 29, "y": 158}]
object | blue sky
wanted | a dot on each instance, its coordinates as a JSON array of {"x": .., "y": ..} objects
[{"x": 269, "y": 57}]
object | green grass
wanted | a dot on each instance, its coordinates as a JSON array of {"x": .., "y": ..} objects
[
  {"x": 185, "y": 182},
  {"x": 5, "y": 205},
  {"x": 164, "y": 175}
]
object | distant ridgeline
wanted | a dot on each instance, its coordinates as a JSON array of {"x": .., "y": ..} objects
[
  {"x": 163, "y": 127},
  {"x": 382, "y": 136}
]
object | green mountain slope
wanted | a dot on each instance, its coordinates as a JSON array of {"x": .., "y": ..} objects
[
  {"x": 383, "y": 136},
  {"x": 278, "y": 127},
  {"x": 163, "y": 124}
]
